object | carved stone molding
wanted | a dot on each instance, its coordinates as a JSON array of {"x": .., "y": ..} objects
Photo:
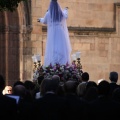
[
  {"x": 16, "y": 29},
  {"x": 87, "y": 30},
  {"x": 26, "y": 29}
]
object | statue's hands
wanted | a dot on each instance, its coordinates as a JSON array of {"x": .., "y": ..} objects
[
  {"x": 38, "y": 20},
  {"x": 66, "y": 8}
]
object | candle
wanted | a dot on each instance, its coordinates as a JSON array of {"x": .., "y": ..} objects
[
  {"x": 74, "y": 57},
  {"x": 38, "y": 57},
  {"x": 34, "y": 58},
  {"x": 78, "y": 54}
]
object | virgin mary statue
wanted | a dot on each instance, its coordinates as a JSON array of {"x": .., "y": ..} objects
[{"x": 58, "y": 47}]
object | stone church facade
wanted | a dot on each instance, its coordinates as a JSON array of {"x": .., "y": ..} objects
[{"x": 94, "y": 29}]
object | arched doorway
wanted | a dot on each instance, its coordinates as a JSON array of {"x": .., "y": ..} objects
[{"x": 14, "y": 27}]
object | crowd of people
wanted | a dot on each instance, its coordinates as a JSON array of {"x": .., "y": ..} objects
[
  {"x": 54, "y": 99},
  {"x": 62, "y": 93},
  {"x": 58, "y": 47}
]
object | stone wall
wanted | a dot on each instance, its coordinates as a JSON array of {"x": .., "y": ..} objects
[
  {"x": 94, "y": 28},
  {"x": 94, "y": 31}
]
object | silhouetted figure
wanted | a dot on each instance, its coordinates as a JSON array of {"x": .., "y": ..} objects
[
  {"x": 25, "y": 106},
  {"x": 116, "y": 95},
  {"x": 113, "y": 81},
  {"x": 50, "y": 106},
  {"x": 85, "y": 77},
  {"x": 38, "y": 85},
  {"x": 17, "y": 83},
  {"x": 74, "y": 105},
  {"x": 30, "y": 89},
  {"x": 8, "y": 106},
  {"x": 7, "y": 90},
  {"x": 103, "y": 108},
  {"x": 91, "y": 92},
  {"x": 81, "y": 88}
]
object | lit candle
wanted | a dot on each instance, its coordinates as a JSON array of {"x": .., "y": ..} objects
[
  {"x": 78, "y": 54},
  {"x": 34, "y": 58},
  {"x": 74, "y": 57},
  {"x": 38, "y": 57}
]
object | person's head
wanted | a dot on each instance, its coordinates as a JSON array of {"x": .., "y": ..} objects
[
  {"x": 70, "y": 87},
  {"x": 81, "y": 89},
  {"x": 103, "y": 87},
  {"x": 85, "y": 76},
  {"x": 56, "y": 77},
  {"x": 45, "y": 84},
  {"x": 17, "y": 83},
  {"x": 8, "y": 90},
  {"x": 113, "y": 76},
  {"x": 91, "y": 84},
  {"x": 49, "y": 85},
  {"x": 40, "y": 79},
  {"x": 91, "y": 93},
  {"x": 19, "y": 90},
  {"x": 29, "y": 85}
]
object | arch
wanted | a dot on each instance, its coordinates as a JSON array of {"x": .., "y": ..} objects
[{"x": 13, "y": 26}]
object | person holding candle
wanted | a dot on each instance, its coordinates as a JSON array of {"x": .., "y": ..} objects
[{"x": 58, "y": 47}]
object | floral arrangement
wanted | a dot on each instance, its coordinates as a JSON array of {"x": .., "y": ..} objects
[{"x": 64, "y": 71}]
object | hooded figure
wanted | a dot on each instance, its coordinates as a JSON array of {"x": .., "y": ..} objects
[{"x": 58, "y": 47}]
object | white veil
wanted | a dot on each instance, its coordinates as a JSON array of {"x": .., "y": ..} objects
[
  {"x": 57, "y": 14},
  {"x": 55, "y": 11}
]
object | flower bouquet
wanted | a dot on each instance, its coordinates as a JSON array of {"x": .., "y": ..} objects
[{"x": 65, "y": 72}]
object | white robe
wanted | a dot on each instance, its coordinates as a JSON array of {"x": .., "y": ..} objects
[{"x": 58, "y": 47}]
